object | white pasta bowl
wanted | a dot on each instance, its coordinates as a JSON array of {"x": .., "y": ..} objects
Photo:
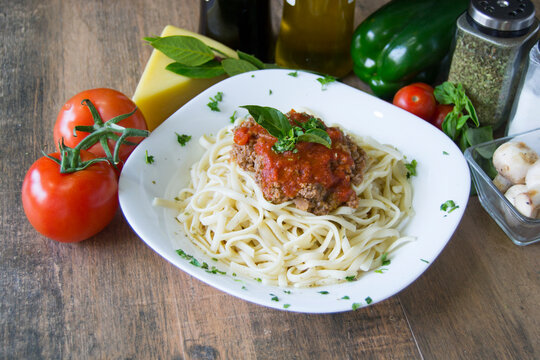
[{"x": 442, "y": 175}]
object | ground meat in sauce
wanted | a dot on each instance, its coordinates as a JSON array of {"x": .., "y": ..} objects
[{"x": 315, "y": 178}]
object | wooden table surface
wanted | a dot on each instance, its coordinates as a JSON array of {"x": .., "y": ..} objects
[{"x": 112, "y": 297}]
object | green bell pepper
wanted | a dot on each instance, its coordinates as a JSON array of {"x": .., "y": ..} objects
[{"x": 405, "y": 41}]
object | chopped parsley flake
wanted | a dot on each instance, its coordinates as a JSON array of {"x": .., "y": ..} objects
[
  {"x": 149, "y": 159},
  {"x": 380, "y": 271},
  {"x": 369, "y": 300},
  {"x": 449, "y": 206},
  {"x": 293, "y": 74},
  {"x": 350, "y": 278},
  {"x": 411, "y": 168},
  {"x": 287, "y": 291},
  {"x": 193, "y": 261},
  {"x": 445, "y": 153},
  {"x": 286, "y": 306},
  {"x": 356, "y": 306},
  {"x": 427, "y": 262},
  {"x": 233, "y": 117},
  {"x": 270, "y": 92},
  {"x": 274, "y": 297},
  {"x": 213, "y": 104},
  {"x": 244, "y": 288},
  {"x": 346, "y": 297},
  {"x": 182, "y": 139},
  {"x": 258, "y": 279},
  {"x": 384, "y": 260},
  {"x": 324, "y": 292},
  {"x": 327, "y": 79}
]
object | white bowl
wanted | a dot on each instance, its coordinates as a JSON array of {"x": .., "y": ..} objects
[{"x": 442, "y": 175}]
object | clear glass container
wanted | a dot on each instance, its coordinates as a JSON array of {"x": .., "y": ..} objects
[
  {"x": 492, "y": 41},
  {"x": 522, "y": 230},
  {"x": 316, "y": 35},
  {"x": 524, "y": 115}
]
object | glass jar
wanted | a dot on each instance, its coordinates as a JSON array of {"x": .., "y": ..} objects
[
  {"x": 492, "y": 40},
  {"x": 316, "y": 35},
  {"x": 240, "y": 24},
  {"x": 524, "y": 115}
]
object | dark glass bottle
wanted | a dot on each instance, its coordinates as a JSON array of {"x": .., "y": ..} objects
[{"x": 240, "y": 24}]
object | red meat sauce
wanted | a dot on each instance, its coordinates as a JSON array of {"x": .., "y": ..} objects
[{"x": 316, "y": 178}]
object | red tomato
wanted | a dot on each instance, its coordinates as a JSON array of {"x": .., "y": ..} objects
[
  {"x": 109, "y": 103},
  {"x": 440, "y": 114},
  {"x": 417, "y": 99},
  {"x": 69, "y": 207}
]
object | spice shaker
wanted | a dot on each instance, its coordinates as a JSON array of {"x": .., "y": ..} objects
[
  {"x": 524, "y": 115},
  {"x": 492, "y": 40},
  {"x": 316, "y": 35}
]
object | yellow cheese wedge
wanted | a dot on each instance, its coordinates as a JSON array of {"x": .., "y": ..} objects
[{"x": 161, "y": 92}]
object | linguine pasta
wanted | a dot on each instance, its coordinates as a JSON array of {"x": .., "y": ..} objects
[{"x": 224, "y": 212}]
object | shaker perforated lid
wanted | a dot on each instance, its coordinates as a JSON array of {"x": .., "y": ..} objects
[{"x": 502, "y": 15}]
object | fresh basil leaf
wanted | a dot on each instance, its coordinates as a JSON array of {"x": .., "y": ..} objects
[
  {"x": 317, "y": 136},
  {"x": 237, "y": 66},
  {"x": 472, "y": 112},
  {"x": 462, "y": 120},
  {"x": 251, "y": 59},
  {"x": 207, "y": 70},
  {"x": 445, "y": 93},
  {"x": 186, "y": 50},
  {"x": 273, "y": 120}
]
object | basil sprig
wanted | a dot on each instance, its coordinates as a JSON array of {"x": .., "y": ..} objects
[
  {"x": 278, "y": 125},
  {"x": 461, "y": 124},
  {"x": 194, "y": 59}
]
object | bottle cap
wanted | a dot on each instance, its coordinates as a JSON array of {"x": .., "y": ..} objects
[{"x": 502, "y": 15}]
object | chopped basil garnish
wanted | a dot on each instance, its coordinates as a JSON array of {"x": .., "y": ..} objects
[
  {"x": 278, "y": 125},
  {"x": 411, "y": 168},
  {"x": 149, "y": 159},
  {"x": 182, "y": 139},
  {"x": 213, "y": 104},
  {"x": 449, "y": 206}
]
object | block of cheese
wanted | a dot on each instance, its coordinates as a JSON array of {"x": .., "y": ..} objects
[{"x": 161, "y": 92}]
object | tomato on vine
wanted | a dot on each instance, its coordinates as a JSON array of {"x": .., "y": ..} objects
[
  {"x": 75, "y": 121},
  {"x": 72, "y": 194}
]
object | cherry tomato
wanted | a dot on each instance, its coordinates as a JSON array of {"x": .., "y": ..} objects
[
  {"x": 109, "y": 103},
  {"x": 440, "y": 114},
  {"x": 417, "y": 99},
  {"x": 69, "y": 207}
]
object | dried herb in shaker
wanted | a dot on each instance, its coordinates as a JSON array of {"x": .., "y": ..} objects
[{"x": 492, "y": 40}]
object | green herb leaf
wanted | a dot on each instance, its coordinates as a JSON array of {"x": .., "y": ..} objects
[
  {"x": 317, "y": 136},
  {"x": 237, "y": 66},
  {"x": 350, "y": 278},
  {"x": 356, "y": 306},
  {"x": 346, "y": 297},
  {"x": 274, "y": 297},
  {"x": 233, "y": 117},
  {"x": 207, "y": 70},
  {"x": 327, "y": 79},
  {"x": 273, "y": 120},
  {"x": 182, "y": 139},
  {"x": 323, "y": 292},
  {"x": 250, "y": 59},
  {"x": 286, "y": 306},
  {"x": 293, "y": 74},
  {"x": 186, "y": 50}
]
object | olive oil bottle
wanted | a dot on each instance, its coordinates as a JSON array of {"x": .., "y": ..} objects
[{"x": 316, "y": 35}]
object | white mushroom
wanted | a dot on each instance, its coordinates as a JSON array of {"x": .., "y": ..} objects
[
  {"x": 513, "y": 159},
  {"x": 525, "y": 205},
  {"x": 514, "y": 191},
  {"x": 532, "y": 178},
  {"x": 502, "y": 183}
]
